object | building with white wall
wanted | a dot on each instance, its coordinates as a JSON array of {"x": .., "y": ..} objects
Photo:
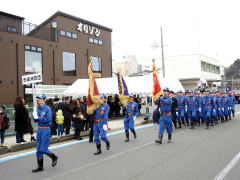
[{"x": 192, "y": 70}]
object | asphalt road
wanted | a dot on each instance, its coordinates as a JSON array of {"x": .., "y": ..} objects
[{"x": 194, "y": 154}]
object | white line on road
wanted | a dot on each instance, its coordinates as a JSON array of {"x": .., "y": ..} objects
[
  {"x": 228, "y": 168},
  {"x": 110, "y": 157}
]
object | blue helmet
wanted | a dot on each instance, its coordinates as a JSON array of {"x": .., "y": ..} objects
[
  {"x": 166, "y": 89},
  {"x": 42, "y": 96},
  {"x": 180, "y": 91},
  {"x": 103, "y": 95}
]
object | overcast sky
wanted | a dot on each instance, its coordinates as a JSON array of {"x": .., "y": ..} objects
[{"x": 209, "y": 27}]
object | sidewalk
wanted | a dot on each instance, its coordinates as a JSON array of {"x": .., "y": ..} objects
[{"x": 12, "y": 146}]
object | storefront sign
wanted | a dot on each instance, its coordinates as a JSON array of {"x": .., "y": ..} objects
[
  {"x": 88, "y": 29},
  {"x": 32, "y": 78}
]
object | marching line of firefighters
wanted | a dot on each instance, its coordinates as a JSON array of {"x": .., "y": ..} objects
[{"x": 191, "y": 108}]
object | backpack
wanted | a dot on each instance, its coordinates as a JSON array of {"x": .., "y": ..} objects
[{"x": 7, "y": 122}]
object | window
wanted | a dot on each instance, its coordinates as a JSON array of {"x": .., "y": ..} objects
[
  {"x": 74, "y": 35},
  {"x": 39, "y": 49},
  {"x": 54, "y": 24},
  {"x": 33, "y": 59},
  {"x": 212, "y": 68},
  {"x": 218, "y": 70},
  {"x": 68, "y": 34},
  {"x": 96, "y": 64},
  {"x": 91, "y": 40},
  {"x": 95, "y": 41},
  {"x": 202, "y": 66},
  {"x": 69, "y": 64},
  {"x": 62, "y": 33},
  {"x": 11, "y": 29},
  {"x": 207, "y": 67},
  {"x": 100, "y": 42}
]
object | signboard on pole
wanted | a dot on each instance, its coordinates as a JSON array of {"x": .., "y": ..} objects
[{"x": 32, "y": 78}]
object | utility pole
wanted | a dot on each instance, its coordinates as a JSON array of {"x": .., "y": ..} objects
[{"x": 163, "y": 65}]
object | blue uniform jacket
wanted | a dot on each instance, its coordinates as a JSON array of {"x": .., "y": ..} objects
[
  {"x": 192, "y": 102},
  {"x": 165, "y": 104},
  {"x": 181, "y": 102},
  {"x": 44, "y": 116},
  {"x": 102, "y": 113},
  {"x": 132, "y": 108}
]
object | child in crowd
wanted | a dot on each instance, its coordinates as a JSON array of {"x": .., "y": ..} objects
[
  {"x": 59, "y": 121},
  {"x": 78, "y": 120},
  {"x": 4, "y": 124}
]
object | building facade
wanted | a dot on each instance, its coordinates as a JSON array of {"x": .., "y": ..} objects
[
  {"x": 192, "y": 70},
  {"x": 59, "y": 48}
]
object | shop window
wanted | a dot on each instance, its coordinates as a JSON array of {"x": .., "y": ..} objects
[
  {"x": 74, "y": 35},
  {"x": 202, "y": 66},
  {"x": 68, "y": 34},
  {"x": 96, "y": 64},
  {"x": 95, "y": 41},
  {"x": 100, "y": 42},
  {"x": 69, "y": 64},
  {"x": 33, "y": 59}
]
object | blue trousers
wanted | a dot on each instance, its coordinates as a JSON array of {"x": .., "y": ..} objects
[
  {"x": 43, "y": 141},
  {"x": 165, "y": 122},
  {"x": 128, "y": 123},
  {"x": 99, "y": 132},
  {"x": 2, "y": 135},
  {"x": 207, "y": 113},
  {"x": 225, "y": 112},
  {"x": 181, "y": 114},
  {"x": 60, "y": 129},
  {"x": 192, "y": 114}
]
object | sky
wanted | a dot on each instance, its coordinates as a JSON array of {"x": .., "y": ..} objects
[{"x": 208, "y": 27}]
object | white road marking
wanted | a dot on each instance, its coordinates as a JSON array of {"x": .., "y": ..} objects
[
  {"x": 111, "y": 157},
  {"x": 228, "y": 167}
]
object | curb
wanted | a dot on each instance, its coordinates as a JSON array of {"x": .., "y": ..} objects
[{"x": 32, "y": 144}]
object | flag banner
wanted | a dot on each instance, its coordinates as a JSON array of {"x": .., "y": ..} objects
[
  {"x": 94, "y": 100},
  {"x": 157, "y": 90},
  {"x": 123, "y": 90}
]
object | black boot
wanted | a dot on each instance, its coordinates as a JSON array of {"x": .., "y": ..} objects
[
  {"x": 127, "y": 137},
  {"x": 207, "y": 125},
  {"x": 160, "y": 136},
  {"x": 192, "y": 127},
  {"x": 54, "y": 159},
  {"x": 40, "y": 166},
  {"x": 98, "y": 149},
  {"x": 33, "y": 138},
  {"x": 169, "y": 138},
  {"x": 180, "y": 125},
  {"x": 107, "y": 145},
  {"x": 230, "y": 118},
  {"x": 134, "y": 133}
]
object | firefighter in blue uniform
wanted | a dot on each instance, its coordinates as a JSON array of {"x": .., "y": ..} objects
[
  {"x": 214, "y": 108},
  {"x": 199, "y": 109},
  {"x": 232, "y": 103},
  {"x": 165, "y": 103},
  {"x": 130, "y": 115},
  {"x": 220, "y": 106},
  {"x": 192, "y": 104},
  {"x": 186, "y": 109},
  {"x": 225, "y": 101},
  {"x": 207, "y": 107},
  {"x": 181, "y": 103},
  {"x": 100, "y": 125},
  {"x": 43, "y": 117}
]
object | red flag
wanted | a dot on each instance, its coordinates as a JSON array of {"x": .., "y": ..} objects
[
  {"x": 157, "y": 90},
  {"x": 94, "y": 100}
]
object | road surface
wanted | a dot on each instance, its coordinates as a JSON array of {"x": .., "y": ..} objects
[{"x": 194, "y": 154}]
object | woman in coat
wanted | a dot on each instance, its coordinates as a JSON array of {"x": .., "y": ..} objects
[{"x": 22, "y": 120}]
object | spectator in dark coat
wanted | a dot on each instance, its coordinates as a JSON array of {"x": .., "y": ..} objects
[
  {"x": 22, "y": 120},
  {"x": 116, "y": 105},
  {"x": 78, "y": 120},
  {"x": 67, "y": 113}
]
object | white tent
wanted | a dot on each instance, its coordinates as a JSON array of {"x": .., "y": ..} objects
[{"x": 136, "y": 85}]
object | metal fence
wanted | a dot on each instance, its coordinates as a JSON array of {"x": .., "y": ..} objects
[{"x": 10, "y": 114}]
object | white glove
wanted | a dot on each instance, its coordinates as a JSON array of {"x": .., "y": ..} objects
[
  {"x": 134, "y": 118},
  {"x": 223, "y": 109},
  {"x": 199, "y": 109},
  {"x": 219, "y": 109},
  {"x": 81, "y": 116},
  {"x": 228, "y": 108},
  {"x": 35, "y": 116},
  {"x": 177, "y": 113},
  {"x": 214, "y": 110},
  {"x": 105, "y": 127}
]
